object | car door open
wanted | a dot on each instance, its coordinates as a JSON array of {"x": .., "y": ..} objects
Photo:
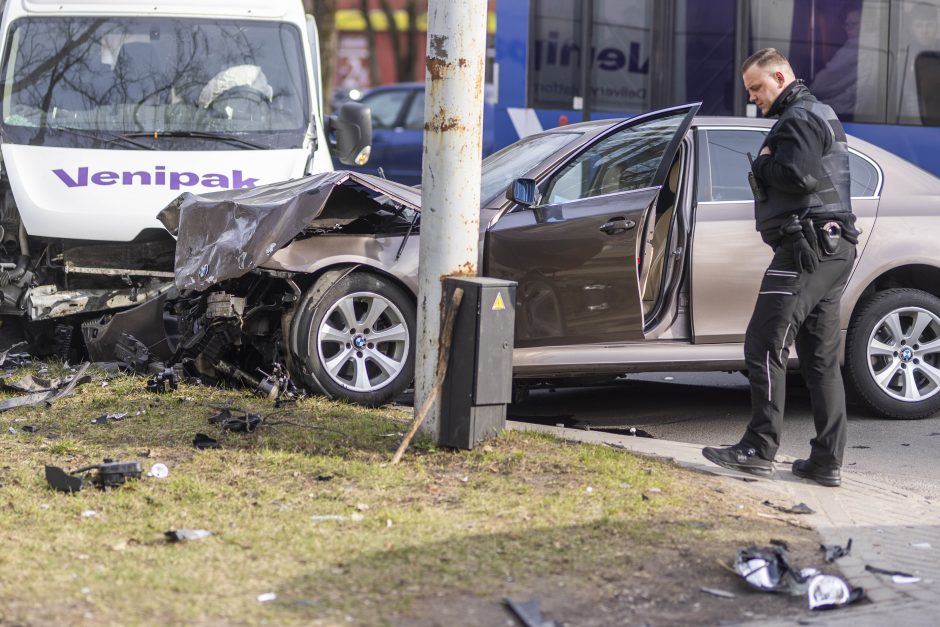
[{"x": 577, "y": 255}]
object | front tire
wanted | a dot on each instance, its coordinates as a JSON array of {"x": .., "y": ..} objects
[
  {"x": 892, "y": 354},
  {"x": 355, "y": 339}
]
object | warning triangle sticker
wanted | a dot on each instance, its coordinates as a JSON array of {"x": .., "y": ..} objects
[{"x": 498, "y": 304}]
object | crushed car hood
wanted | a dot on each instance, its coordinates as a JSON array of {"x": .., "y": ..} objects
[{"x": 224, "y": 235}]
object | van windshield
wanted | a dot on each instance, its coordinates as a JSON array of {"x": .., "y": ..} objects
[{"x": 74, "y": 81}]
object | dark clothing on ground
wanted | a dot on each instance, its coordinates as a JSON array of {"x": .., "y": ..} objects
[{"x": 805, "y": 178}]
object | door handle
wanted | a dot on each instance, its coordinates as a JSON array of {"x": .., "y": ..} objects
[{"x": 618, "y": 226}]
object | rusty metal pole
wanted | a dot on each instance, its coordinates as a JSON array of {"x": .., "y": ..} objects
[{"x": 450, "y": 180}]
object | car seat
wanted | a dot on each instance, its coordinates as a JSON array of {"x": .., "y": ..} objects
[{"x": 657, "y": 240}]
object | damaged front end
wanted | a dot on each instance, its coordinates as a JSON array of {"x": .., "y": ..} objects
[{"x": 310, "y": 280}]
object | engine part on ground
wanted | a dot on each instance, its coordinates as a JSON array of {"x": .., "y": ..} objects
[
  {"x": 166, "y": 380},
  {"x": 267, "y": 387},
  {"x": 108, "y": 474}
]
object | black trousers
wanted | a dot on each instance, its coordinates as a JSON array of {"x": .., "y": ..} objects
[{"x": 800, "y": 307}]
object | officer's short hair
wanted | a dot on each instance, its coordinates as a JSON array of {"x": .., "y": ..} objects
[{"x": 764, "y": 58}]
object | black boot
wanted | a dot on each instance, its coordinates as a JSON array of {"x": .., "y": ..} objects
[
  {"x": 829, "y": 476},
  {"x": 739, "y": 457}
]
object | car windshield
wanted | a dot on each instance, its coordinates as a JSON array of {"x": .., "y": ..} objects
[
  {"x": 126, "y": 75},
  {"x": 516, "y": 160}
]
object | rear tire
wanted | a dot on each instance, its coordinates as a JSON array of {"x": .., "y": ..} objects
[
  {"x": 892, "y": 353},
  {"x": 355, "y": 338}
]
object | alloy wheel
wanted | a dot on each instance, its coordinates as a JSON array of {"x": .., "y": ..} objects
[{"x": 904, "y": 354}]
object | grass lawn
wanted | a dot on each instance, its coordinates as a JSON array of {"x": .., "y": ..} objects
[{"x": 598, "y": 535}]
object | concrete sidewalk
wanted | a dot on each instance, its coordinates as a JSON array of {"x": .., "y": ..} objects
[{"x": 884, "y": 523}]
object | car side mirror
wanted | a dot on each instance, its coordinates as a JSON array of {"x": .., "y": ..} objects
[
  {"x": 350, "y": 132},
  {"x": 523, "y": 191}
]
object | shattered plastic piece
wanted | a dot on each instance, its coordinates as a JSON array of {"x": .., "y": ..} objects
[
  {"x": 724, "y": 594},
  {"x": 767, "y": 568},
  {"x": 897, "y": 576},
  {"x": 89, "y": 513},
  {"x": 834, "y": 551},
  {"x": 132, "y": 353},
  {"x": 179, "y": 535},
  {"x": 159, "y": 471},
  {"x": 921, "y": 545},
  {"x": 799, "y": 508},
  {"x": 529, "y": 613},
  {"x": 163, "y": 381},
  {"x": 63, "y": 481},
  {"x": 240, "y": 422},
  {"x": 30, "y": 428},
  {"x": 325, "y": 517},
  {"x": 828, "y": 592},
  {"x": 267, "y": 597},
  {"x": 106, "y": 418},
  {"x": 111, "y": 474},
  {"x": 202, "y": 441}
]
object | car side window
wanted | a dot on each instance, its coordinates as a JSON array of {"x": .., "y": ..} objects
[
  {"x": 621, "y": 162},
  {"x": 415, "y": 117},
  {"x": 385, "y": 107},
  {"x": 723, "y": 174},
  {"x": 863, "y": 176}
]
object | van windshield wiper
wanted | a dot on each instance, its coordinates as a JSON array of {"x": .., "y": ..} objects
[
  {"x": 200, "y": 135},
  {"x": 109, "y": 137}
]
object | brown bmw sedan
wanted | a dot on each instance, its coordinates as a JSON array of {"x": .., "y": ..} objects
[{"x": 637, "y": 253}]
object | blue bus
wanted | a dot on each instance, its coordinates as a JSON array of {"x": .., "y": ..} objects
[{"x": 876, "y": 62}]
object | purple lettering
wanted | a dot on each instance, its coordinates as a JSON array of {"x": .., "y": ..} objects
[
  {"x": 68, "y": 180},
  {"x": 238, "y": 182},
  {"x": 104, "y": 178},
  {"x": 182, "y": 178},
  {"x": 161, "y": 175},
  {"x": 129, "y": 178},
  {"x": 215, "y": 180},
  {"x": 611, "y": 59}
]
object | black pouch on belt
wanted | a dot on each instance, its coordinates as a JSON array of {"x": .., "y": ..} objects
[{"x": 828, "y": 235}]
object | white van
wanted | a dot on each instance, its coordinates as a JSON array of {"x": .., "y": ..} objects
[{"x": 112, "y": 108}]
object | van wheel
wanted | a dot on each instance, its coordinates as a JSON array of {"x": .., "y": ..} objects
[
  {"x": 355, "y": 339},
  {"x": 893, "y": 353}
]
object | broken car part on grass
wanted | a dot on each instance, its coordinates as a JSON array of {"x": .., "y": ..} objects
[
  {"x": 834, "y": 551},
  {"x": 106, "y": 475}
]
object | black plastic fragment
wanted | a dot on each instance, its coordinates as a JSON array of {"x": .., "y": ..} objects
[
  {"x": 529, "y": 613},
  {"x": 63, "y": 481},
  {"x": 885, "y": 571},
  {"x": 240, "y": 422},
  {"x": 835, "y": 551},
  {"x": 30, "y": 428},
  {"x": 202, "y": 441}
]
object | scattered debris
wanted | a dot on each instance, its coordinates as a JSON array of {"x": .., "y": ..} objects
[
  {"x": 921, "y": 545},
  {"x": 67, "y": 388},
  {"x": 326, "y": 517},
  {"x": 267, "y": 597},
  {"x": 240, "y": 422},
  {"x": 106, "y": 418},
  {"x": 897, "y": 576},
  {"x": 529, "y": 613},
  {"x": 109, "y": 474},
  {"x": 30, "y": 428},
  {"x": 165, "y": 379},
  {"x": 16, "y": 360},
  {"x": 179, "y": 535},
  {"x": 834, "y": 551},
  {"x": 89, "y": 513},
  {"x": 860, "y": 446},
  {"x": 324, "y": 477},
  {"x": 828, "y": 592},
  {"x": 768, "y": 569},
  {"x": 798, "y": 508},
  {"x": 724, "y": 594},
  {"x": 159, "y": 471},
  {"x": 203, "y": 441},
  {"x": 781, "y": 543}
]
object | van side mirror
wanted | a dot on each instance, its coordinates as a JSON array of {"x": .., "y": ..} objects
[
  {"x": 523, "y": 191},
  {"x": 350, "y": 133}
]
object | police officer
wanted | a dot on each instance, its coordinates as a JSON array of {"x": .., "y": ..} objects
[{"x": 802, "y": 207}]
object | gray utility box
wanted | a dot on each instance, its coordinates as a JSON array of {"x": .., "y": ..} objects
[{"x": 478, "y": 385}]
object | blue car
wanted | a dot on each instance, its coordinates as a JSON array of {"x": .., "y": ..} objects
[{"x": 398, "y": 131}]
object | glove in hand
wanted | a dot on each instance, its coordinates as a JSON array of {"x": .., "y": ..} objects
[{"x": 804, "y": 257}]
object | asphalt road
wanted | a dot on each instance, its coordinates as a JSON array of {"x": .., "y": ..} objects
[{"x": 713, "y": 408}]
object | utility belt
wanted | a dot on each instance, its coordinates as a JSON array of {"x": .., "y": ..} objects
[{"x": 822, "y": 235}]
